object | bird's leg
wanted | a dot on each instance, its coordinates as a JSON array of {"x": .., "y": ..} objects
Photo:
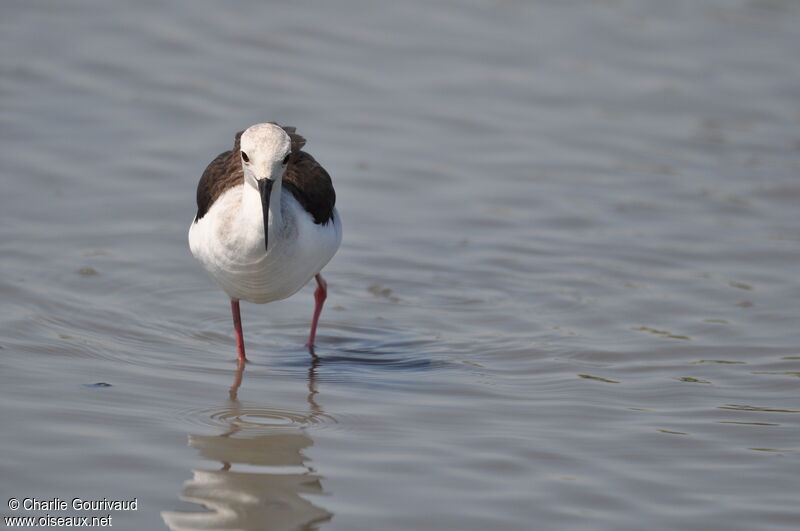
[
  {"x": 320, "y": 294},
  {"x": 237, "y": 326}
]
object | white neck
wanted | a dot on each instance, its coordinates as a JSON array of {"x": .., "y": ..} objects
[{"x": 251, "y": 213}]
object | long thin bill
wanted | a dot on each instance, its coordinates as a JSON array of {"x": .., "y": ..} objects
[{"x": 265, "y": 188}]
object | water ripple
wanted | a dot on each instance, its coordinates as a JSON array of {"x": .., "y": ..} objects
[{"x": 255, "y": 419}]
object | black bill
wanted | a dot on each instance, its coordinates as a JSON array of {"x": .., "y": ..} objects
[{"x": 265, "y": 187}]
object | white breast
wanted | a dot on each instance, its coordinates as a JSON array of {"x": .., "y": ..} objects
[{"x": 229, "y": 242}]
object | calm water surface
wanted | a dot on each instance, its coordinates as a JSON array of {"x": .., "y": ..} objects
[{"x": 567, "y": 296}]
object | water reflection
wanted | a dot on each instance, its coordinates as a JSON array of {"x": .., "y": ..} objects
[{"x": 248, "y": 499}]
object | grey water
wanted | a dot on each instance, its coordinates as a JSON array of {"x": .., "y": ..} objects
[{"x": 567, "y": 295}]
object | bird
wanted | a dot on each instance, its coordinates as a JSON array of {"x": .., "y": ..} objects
[{"x": 266, "y": 221}]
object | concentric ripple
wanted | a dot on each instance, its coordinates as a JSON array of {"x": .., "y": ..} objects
[{"x": 255, "y": 419}]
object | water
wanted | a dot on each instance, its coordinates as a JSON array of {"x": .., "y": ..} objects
[{"x": 566, "y": 297}]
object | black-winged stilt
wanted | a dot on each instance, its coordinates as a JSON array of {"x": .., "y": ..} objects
[{"x": 266, "y": 221}]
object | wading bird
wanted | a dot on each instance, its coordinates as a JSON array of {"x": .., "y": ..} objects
[{"x": 266, "y": 221}]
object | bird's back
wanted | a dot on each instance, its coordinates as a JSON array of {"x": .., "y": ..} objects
[{"x": 305, "y": 178}]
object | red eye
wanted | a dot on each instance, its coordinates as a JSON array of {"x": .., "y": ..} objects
[{"x": 245, "y": 157}]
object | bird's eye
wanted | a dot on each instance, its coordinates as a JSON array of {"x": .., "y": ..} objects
[
  {"x": 245, "y": 157},
  {"x": 286, "y": 159}
]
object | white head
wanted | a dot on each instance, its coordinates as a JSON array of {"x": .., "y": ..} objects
[{"x": 265, "y": 150}]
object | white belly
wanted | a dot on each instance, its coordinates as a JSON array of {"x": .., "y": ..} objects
[{"x": 229, "y": 242}]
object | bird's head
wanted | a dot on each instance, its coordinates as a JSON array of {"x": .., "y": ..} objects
[{"x": 264, "y": 151}]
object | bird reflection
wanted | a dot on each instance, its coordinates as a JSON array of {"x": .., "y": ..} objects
[{"x": 238, "y": 499}]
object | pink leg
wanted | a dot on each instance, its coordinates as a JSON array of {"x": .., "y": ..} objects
[
  {"x": 237, "y": 326},
  {"x": 320, "y": 295}
]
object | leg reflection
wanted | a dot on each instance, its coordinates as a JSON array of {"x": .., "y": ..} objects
[{"x": 247, "y": 492}]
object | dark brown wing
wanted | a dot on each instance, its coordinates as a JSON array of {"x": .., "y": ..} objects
[
  {"x": 308, "y": 182},
  {"x": 223, "y": 173},
  {"x": 311, "y": 185}
]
